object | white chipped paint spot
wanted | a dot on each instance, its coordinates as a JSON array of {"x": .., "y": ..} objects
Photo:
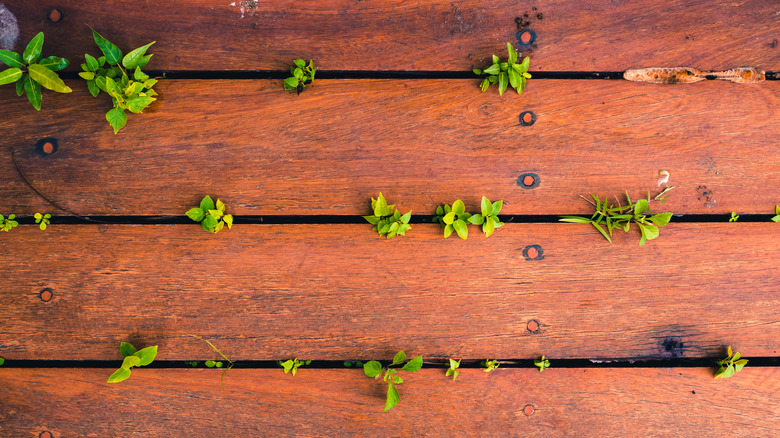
[
  {"x": 233, "y": 4},
  {"x": 664, "y": 177},
  {"x": 9, "y": 29}
]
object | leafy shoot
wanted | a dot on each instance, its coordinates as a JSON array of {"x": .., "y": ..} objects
[
  {"x": 490, "y": 365},
  {"x": 388, "y": 221},
  {"x": 291, "y": 365},
  {"x": 212, "y": 364},
  {"x": 453, "y": 370},
  {"x": 542, "y": 363},
  {"x": 30, "y": 72},
  {"x": 132, "y": 358},
  {"x": 43, "y": 220},
  {"x": 212, "y": 217},
  {"x": 734, "y": 217},
  {"x": 374, "y": 369},
  {"x": 8, "y": 223},
  {"x": 620, "y": 216},
  {"x": 302, "y": 75},
  {"x": 505, "y": 73},
  {"x": 349, "y": 364},
  {"x": 776, "y": 218},
  {"x": 730, "y": 365}
]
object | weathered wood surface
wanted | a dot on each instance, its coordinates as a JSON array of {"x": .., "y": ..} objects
[
  {"x": 263, "y": 292},
  {"x": 561, "y": 402},
  {"x": 591, "y": 35},
  {"x": 421, "y": 142}
]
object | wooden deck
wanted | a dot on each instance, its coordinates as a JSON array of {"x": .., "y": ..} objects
[{"x": 632, "y": 332}]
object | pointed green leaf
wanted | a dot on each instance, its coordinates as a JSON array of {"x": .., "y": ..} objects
[
  {"x": 487, "y": 207},
  {"x": 291, "y": 82},
  {"x": 601, "y": 230},
  {"x": 661, "y": 219},
  {"x": 54, "y": 63},
  {"x": 413, "y": 365},
  {"x": 132, "y": 59},
  {"x": 392, "y": 397},
  {"x": 448, "y": 229},
  {"x": 492, "y": 70},
  {"x": 399, "y": 358},
  {"x": 207, "y": 203},
  {"x": 20, "y": 85},
  {"x": 372, "y": 368},
  {"x": 116, "y": 118},
  {"x": 195, "y": 214},
  {"x": 449, "y": 218},
  {"x": 92, "y": 63},
  {"x": 112, "y": 53},
  {"x": 87, "y": 75},
  {"x": 119, "y": 375},
  {"x": 33, "y": 90},
  {"x": 47, "y": 78},
  {"x": 497, "y": 207},
  {"x": 502, "y": 83},
  {"x": 11, "y": 59},
  {"x": 10, "y": 75},
  {"x": 461, "y": 229},
  {"x": 33, "y": 51},
  {"x": 136, "y": 104},
  {"x": 146, "y": 355},
  {"x": 514, "y": 78},
  {"x": 130, "y": 361},
  {"x": 575, "y": 219},
  {"x": 126, "y": 349},
  {"x": 476, "y": 219}
]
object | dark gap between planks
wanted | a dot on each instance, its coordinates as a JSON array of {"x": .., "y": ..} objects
[
  {"x": 443, "y": 364},
  {"x": 349, "y": 219},
  {"x": 372, "y": 74}
]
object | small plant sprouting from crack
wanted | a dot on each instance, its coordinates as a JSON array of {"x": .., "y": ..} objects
[
  {"x": 453, "y": 369},
  {"x": 490, "y": 365},
  {"x": 505, "y": 73},
  {"x": 776, "y": 218},
  {"x": 388, "y": 221},
  {"x": 8, "y": 223},
  {"x": 44, "y": 220},
  {"x": 292, "y": 365},
  {"x": 212, "y": 217},
  {"x": 734, "y": 216},
  {"x": 620, "y": 216},
  {"x": 213, "y": 363},
  {"x": 374, "y": 369},
  {"x": 542, "y": 363},
  {"x": 132, "y": 358},
  {"x": 730, "y": 365},
  {"x": 302, "y": 75},
  {"x": 39, "y": 72}
]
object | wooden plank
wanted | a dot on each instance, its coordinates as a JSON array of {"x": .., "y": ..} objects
[
  {"x": 590, "y": 35},
  {"x": 264, "y": 292},
  {"x": 421, "y": 142},
  {"x": 614, "y": 402}
]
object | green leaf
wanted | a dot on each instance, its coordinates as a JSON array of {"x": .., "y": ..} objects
[
  {"x": 514, "y": 78},
  {"x": 406, "y": 217},
  {"x": 392, "y": 397},
  {"x": 461, "y": 229},
  {"x": 492, "y": 70},
  {"x": 112, "y": 53},
  {"x": 300, "y": 63},
  {"x": 661, "y": 219},
  {"x": 487, "y": 207},
  {"x": 496, "y": 60},
  {"x": 136, "y": 104},
  {"x": 54, "y": 63},
  {"x": 601, "y": 230},
  {"x": 47, "y": 78},
  {"x": 130, "y": 361},
  {"x": 449, "y": 218},
  {"x": 33, "y": 90},
  {"x": 512, "y": 53},
  {"x": 228, "y": 220},
  {"x": 119, "y": 375},
  {"x": 640, "y": 207},
  {"x": 575, "y": 219},
  {"x": 33, "y": 51},
  {"x": 291, "y": 82},
  {"x": 448, "y": 229},
  {"x": 488, "y": 227},
  {"x": 207, "y": 203},
  {"x": 648, "y": 230},
  {"x": 372, "y": 368},
  {"x": 138, "y": 75},
  {"x": 20, "y": 85},
  {"x": 399, "y": 358},
  {"x": 502, "y": 83},
  {"x": 477, "y": 71},
  {"x": 525, "y": 64},
  {"x": 87, "y": 75},
  {"x": 497, "y": 207},
  {"x": 145, "y": 60},
  {"x": 11, "y": 59},
  {"x": 458, "y": 207},
  {"x": 413, "y": 365},
  {"x": 476, "y": 219},
  {"x": 2, "y": 361},
  {"x": 209, "y": 223},
  {"x": 10, "y": 75},
  {"x": 740, "y": 364},
  {"x": 92, "y": 63},
  {"x": 146, "y": 355},
  {"x": 126, "y": 349},
  {"x": 116, "y": 118},
  {"x": 132, "y": 59}
]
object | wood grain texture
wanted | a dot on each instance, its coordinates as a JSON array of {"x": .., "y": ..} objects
[
  {"x": 263, "y": 292},
  {"x": 421, "y": 142},
  {"x": 590, "y": 35},
  {"x": 582, "y": 402}
]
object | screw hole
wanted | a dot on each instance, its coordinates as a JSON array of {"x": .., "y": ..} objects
[
  {"x": 528, "y": 180},
  {"x": 527, "y": 118},
  {"x": 533, "y": 252},
  {"x": 55, "y": 16},
  {"x": 526, "y": 37},
  {"x": 529, "y": 410},
  {"x": 46, "y": 294},
  {"x": 534, "y": 326},
  {"x": 47, "y": 146}
]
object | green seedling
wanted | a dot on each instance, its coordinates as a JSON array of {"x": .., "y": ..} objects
[
  {"x": 730, "y": 365},
  {"x": 212, "y": 218},
  {"x": 43, "y": 220},
  {"x": 542, "y": 363},
  {"x": 453, "y": 218},
  {"x": 374, "y": 369},
  {"x": 192, "y": 363},
  {"x": 292, "y": 365},
  {"x": 388, "y": 221},
  {"x": 8, "y": 223},
  {"x": 490, "y": 365},
  {"x": 30, "y": 72},
  {"x": 212, "y": 364},
  {"x": 453, "y": 369},
  {"x": 131, "y": 94},
  {"x": 734, "y": 216},
  {"x": 621, "y": 217},
  {"x": 302, "y": 75},
  {"x": 489, "y": 217},
  {"x": 132, "y": 358},
  {"x": 353, "y": 364},
  {"x": 776, "y": 218},
  {"x": 505, "y": 73},
  {"x": 2, "y": 361}
]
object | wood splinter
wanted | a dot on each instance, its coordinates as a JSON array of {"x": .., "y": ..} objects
[{"x": 687, "y": 75}]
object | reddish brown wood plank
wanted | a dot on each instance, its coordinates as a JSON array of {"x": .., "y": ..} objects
[
  {"x": 421, "y": 142},
  {"x": 588, "y": 35},
  {"x": 614, "y": 402},
  {"x": 266, "y": 292}
]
